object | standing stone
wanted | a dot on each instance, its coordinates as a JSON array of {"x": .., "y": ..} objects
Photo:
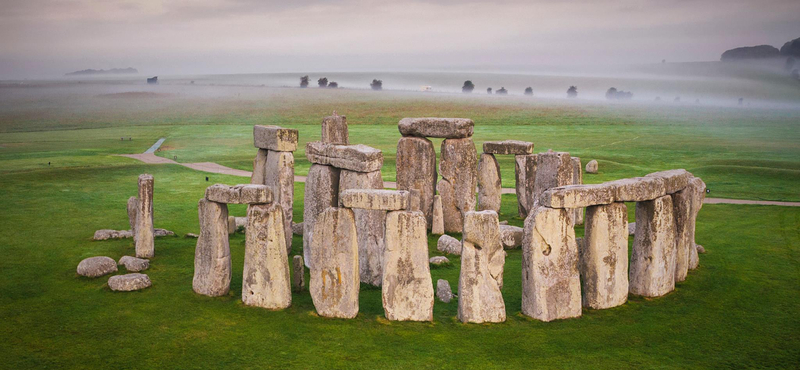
[
  {"x": 231, "y": 225},
  {"x": 334, "y": 130},
  {"x": 551, "y": 287},
  {"x": 145, "y": 244},
  {"x": 553, "y": 169},
  {"x": 604, "y": 256},
  {"x": 652, "y": 269},
  {"x": 479, "y": 296},
  {"x": 416, "y": 169},
  {"x": 212, "y": 256},
  {"x": 259, "y": 167},
  {"x": 334, "y": 272},
  {"x": 443, "y": 291},
  {"x": 482, "y": 229},
  {"x": 280, "y": 177},
  {"x": 591, "y": 167},
  {"x": 459, "y": 170},
  {"x": 133, "y": 209},
  {"x": 682, "y": 211},
  {"x": 322, "y": 189},
  {"x": 265, "y": 281},
  {"x": 437, "y": 227},
  {"x": 697, "y": 188},
  {"x": 407, "y": 287},
  {"x": 370, "y": 226},
  {"x": 525, "y": 172},
  {"x": 298, "y": 274},
  {"x": 577, "y": 179},
  {"x": 489, "y": 184}
]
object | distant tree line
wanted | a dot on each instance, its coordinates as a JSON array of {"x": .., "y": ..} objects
[{"x": 614, "y": 94}]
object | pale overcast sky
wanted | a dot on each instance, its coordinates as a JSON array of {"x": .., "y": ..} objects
[{"x": 51, "y": 37}]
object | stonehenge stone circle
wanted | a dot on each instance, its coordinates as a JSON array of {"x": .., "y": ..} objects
[
  {"x": 265, "y": 281},
  {"x": 144, "y": 239},
  {"x": 652, "y": 267},
  {"x": 447, "y": 128},
  {"x": 443, "y": 291},
  {"x": 359, "y": 157},
  {"x": 134, "y": 264},
  {"x": 448, "y": 244},
  {"x": 416, "y": 169},
  {"x": 334, "y": 130},
  {"x": 407, "y": 289},
  {"x": 525, "y": 172},
  {"x": 604, "y": 256},
  {"x": 275, "y": 138},
  {"x": 96, "y": 266},
  {"x": 334, "y": 284},
  {"x": 674, "y": 180},
  {"x": 514, "y": 147},
  {"x": 279, "y": 176},
  {"x": 591, "y": 166},
  {"x": 489, "y": 184},
  {"x": 298, "y": 274},
  {"x": 482, "y": 229},
  {"x": 322, "y": 191},
  {"x": 458, "y": 168},
  {"x": 578, "y": 196},
  {"x": 129, "y": 282},
  {"x": 479, "y": 296},
  {"x": 359, "y": 190},
  {"x": 212, "y": 256},
  {"x": 239, "y": 194},
  {"x": 437, "y": 226}
]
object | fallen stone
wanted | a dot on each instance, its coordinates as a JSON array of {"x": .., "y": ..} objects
[
  {"x": 280, "y": 178},
  {"x": 437, "y": 226},
  {"x": 482, "y": 229},
  {"x": 275, "y": 138},
  {"x": 443, "y": 291},
  {"x": 259, "y": 167},
  {"x": 700, "y": 249},
  {"x": 334, "y": 284},
  {"x": 448, "y": 244},
  {"x": 375, "y": 199},
  {"x": 162, "y": 232},
  {"x": 674, "y": 180},
  {"x": 459, "y": 170},
  {"x": 297, "y": 228},
  {"x": 637, "y": 189},
  {"x": 134, "y": 264},
  {"x": 359, "y": 158},
  {"x": 511, "y": 236},
  {"x": 298, "y": 274},
  {"x": 447, "y": 128},
  {"x": 144, "y": 239},
  {"x": 239, "y": 194},
  {"x": 265, "y": 281},
  {"x": 96, "y": 266},
  {"x": 525, "y": 173},
  {"x": 489, "y": 184},
  {"x": 515, "y": 147},
  {"x": 553, "y": 169},
  {"x": 370, "y": 223},
  {"x": 577, "y": 196},
  {"x": 192, "y": 235},
  {"x": 129, "y": 282},
  {"x": 407, "y": 289},
  {"x": 322, "y": 191},
  {"x": 439, "y": 260},
  {"x": 591, "y": 167},
  {"x": 652, "y": 266},
  {"x": 416, "y": 169},
  {"x": 212, "y": 256},
  {"x": 334, "y": 130},
  {"x": 105, "y": 234},
  {"x": 479, "y": 296},
  {"x": 697, "y": 188},
  {"x": 577, "y": 179},
  {"x": 603, "y": 256}
]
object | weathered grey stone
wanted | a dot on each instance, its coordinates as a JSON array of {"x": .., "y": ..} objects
[
  {"x": 334, "y": 281},
  {"x": 674, "y": 180},
  {"x": 489, "y": 184},
  {"x": 459, "y": 170},
  {"x": 275, "y": 138},
  {"x": 414, "y": 200},
  {"x": 334, "y": 130},
  {"x": 322, "y": 191},
  {"x": 553, "y": 169},
  {"x": 515, "y": 147},
  {"x": 437, "y": 222},
  {"x": 438, "y": 260},
  {"x": 371, "y": 221},
  {"x": 511, "y": 236},
  {"x": 359, "y": 157},
  {"x": 637, "y": 189},
  {"x": 682, "y": 211},
  {"x": 96, "y": 266},
  {"x": 480, "y": 279},
  {"x": 298, "y": 274},
  {"x": 239, "y": 194},
  {"x": 133, "y": 209},
  {"x": 443, "y": 291},
  {"x": 631, "y": 228},
  {"x": 129, "y": 282},
  {"x": 144, "y": 239},
  {"x": 577, "y": 196},
  {"x": 482, "y": 229},
  {"x": 525, "y": 173},
  {"x": 265, "y": 281},
  {"x": 652, "y": 268},
  {"x": 604, "y": 256},
  {"x": 231, "y": 225},
  {"x": 297, "y": 228},
  {"x": 407, "y": 288},
  {"x": 700, "y": 249},
  {"x": 212, "y": 256},
  {"x": 416, "y": 169},
  {"x": 591, "y": 167},
  {"x": 697, "y": 188},
  {"x": 105, "y": 234},
  {"x": 551, "y": 287},
  {"x": 162, "y": 232},
  {"x": 134, "y": 264},
  {"x": 448, "y": 244},
  {"x": 259, "y": 167},
  {"x": 280, "y": 178},
  {"x": 577, "y": 179},
  {"x": 447, "y": 128}
]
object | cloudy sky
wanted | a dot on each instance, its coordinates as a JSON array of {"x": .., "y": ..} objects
[{"x": 51, "y": 37}]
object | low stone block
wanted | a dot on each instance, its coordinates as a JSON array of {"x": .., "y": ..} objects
[
  {"x": 212, "y": 256},
  {"x": 374, "y": 199},
  {"x": 334, "y": 130},
  {"x": 674, "y": 180},
  {"x": 265, "y": 281},
  {"x": 652, "y": 267},
  {"x": 511, "y": 236},
  {"x": 96, "y": 266},
  {"x": 134, "y": 264},
  {"x": 515, "y": 147},
  {"x": 447, "y": 128},
  {"x": 239, "y": 194},
  {"x": 637, "y": 189},
  {"x": 578, "y": 196},
  {"x": 448, "y": 244},
  {"x": 591, "y": 167},
  {"x": 275, "y": 138},
  {"x": 129, "y": 282},
  {"x": 359, "y": 157},
  {"x": 335, "y": 281},
  {"x": 407, "y": 290}
]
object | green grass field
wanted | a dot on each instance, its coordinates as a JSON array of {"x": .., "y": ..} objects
[{"x": 738, "y": 310}]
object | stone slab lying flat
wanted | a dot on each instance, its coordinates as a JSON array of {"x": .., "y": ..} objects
[
  {"x": 96, "y": 266},
  {"x": 447, "y": 128},
  {"x": 359, "y": 158},
  {"x": 134, "y": 264},
  {"x": 578, "y": 196},
  {"x": 508, "y": 147},
  {"x": 374, "y": 199},
  {"x": 674, "y": 180},
  {"x": 239, "y": 194},
  {"x": 275, "y": 138},
  {"x": 128, "y": 282},
  {"x": 637, "y": 189}
]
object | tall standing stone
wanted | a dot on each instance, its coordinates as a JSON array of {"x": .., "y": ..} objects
[
  {"x": 322, "y": 189},
  {"x": 682, "y": 211},
  {"x": 437, "y": 221},
  {"x": 525, "y": 172},
  {"x": 577, "y": 179},
  {"x": 479, "y": 282},
  {"x": 553, "y": 169},
  {"x": 652, "y": 269},
  {"x": 265, "y": 281},
  {"x": 370, "y": 226},
  {"x": 416, "y": 169},
  {"x": 407, "y": 286},
  {"x": 133, "y": 209},
  {"x": 145, "y": 245},
  {"x": 459, "y": 170},
  {"x": 551, "y": 287},
  {"x": 259, "y": 167},
  {"x": 604, "y": 256},
  {"x": 334, "y": 130},
  {"x": 212, "y": 256},
  {"x": 698, "y": 191},
  {"x": 483, "y": 229},
  {"x": 280, "y": 177},
  {"x": 334, "y": 271},
  {"x": 489, "y": 183}
]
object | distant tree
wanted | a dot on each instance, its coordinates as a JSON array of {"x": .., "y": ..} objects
[
  {"x": 489, "y": 90},
  {"x": 468, "y": 87},
  {"x": 376, "y": 85},
  {"x": 789, "y": 64},
  {"x": 502, "y": 91},
  {"x": 333, "y": 85},
  {"x": 528, "y": 90},
  {"x": 572, "y": 92},
  {"x": 614, "y": 94},
  {"x": 611, "y": 93},
  {"x": 323, "y": 82},
  {"x": 304, "y": 81}
]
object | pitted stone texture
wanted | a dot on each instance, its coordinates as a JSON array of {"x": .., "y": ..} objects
[
  {"x": 637, "y": 189},
  {"x": 407, "y": 289},
  {"x": 322, "y": 191},
  {"x": 374, "y": 198},
  {"x": 133, "y": 210},
  {"x": 437, "y": 226},
  {"x": 259, "y": 167},
  {"x": 515, "y": 147},
  {"x": 591, "y": 167},
  {"x": 231, "y": 225},
  {"x": 297, "y": 228},
  {"x": 525, "y": 172},
  {"x": 652, "y": 269},
  {"x": 129, "y": 282},
  {"x": 134, "y": 264},
  {"x": 682, "y": 211},
  {"x": 489, "y": 184},
  {"x": 298, "y": 274},
  {"x": 674, "y": 180},
  {"x": 275, "y": 138},
  {"x": 447, "y": 128},
  {"x": 359, "y": 157},
  {"x": 414, "y": 200},
  {"x": 577, "y": 179},
  {"x": 578, "y": 196},
  {"x": 438, "y": 260},
  {"x": 698, "y": 190},
  {"x": 239, "y": 194},
  {"x": 459, "y": 170},
  {"x": 631, "y": 228},
  {"x": 416, "y": 169},
  {"x": 334, "y": 281},
  {"x": 370, "y": 223},
  {"x": 448, "y": 244},
  {"x": 105, "y": 234},
  {"x": 212, "y": 256},
  {"x": 551, "y": 287},
  {"x": 479, "y": 296},
  {"x": 482, "y": 229},
  {"x": 443, "y": 291},
  {"x": 334, "y": 130},
  {"x": 96, "y": 266},
  {"x": 144, "y": 239},
  {"x": 604, "y": 256},
  {"x": 265, "y": 281},
  {"x": 279, "y": 177},
  {"x": 553, "y": 169},
  {"x": 511, "y": 236}
]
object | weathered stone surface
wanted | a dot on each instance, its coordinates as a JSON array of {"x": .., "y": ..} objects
[
  {"x": 631, "y": 228},
  {"x": 551, "y": 287},
  {"x": 129, "y": 282},
  {"x": 637, "y": 189},
  {"x": 359, "y": 157},
  {"x": 334, "y": 130},
  {"x": 374, "y": 198},
  {"x": 133, "y": 209},
  {"x": 674, "y": 180},
  {"x": 459, "y": 170},
  {"x": 416, "y": 169},
  {"x": 280, "y": 178},
  {"x": 591, "y": 166},
  {"x": 407, "y": 289},
  {"x": 700, "y": 249},
  {"x": 370, "y": 223},
  {"x": 438, "y": 260},
  {"x": 480, "y": 280},
  {"x": 437, "y": 222},
  {"x": 144, "y": 239},
  {"x": 212, "y": 256},
  {"x": 577, "y": 196},
  {"x": 275, "y": 138},
  {"x": 482, "y": 229},
  {"x": 443, "y": 291},
  {"x": 239, "y": 194},
  {"x": 604, "y": 256},
  {"x": 259, "y": 167},
  {"x": 697, "y": 188},
  {"x": 163, "y": 232},
  {"x": 414, "y": 200},
  {"x": 577, "y": 179},
  {"x": 511, "y": 236},
  {"x": 553, "y": 169},
  {"x": 448, "y": 244},
  {"x": 265, "y": 281},
  {"x": 231, "y": 225},
  {"x": 682, "y": 211},
  {"x": 447, "y": 128},
  {"x": 96, "y": 266},
  {"x": 105, "y": 234},
  {"x": 652, "y": 268},
  {"x": 322, "y": 191},
  {"x": 134, "y": 264},
  {"x": 515, "y": 147},
  {"x": 525, "y": 172},
  {"x": 240, "y": 222},
  {"x": 334, "y": 281},
  {"x": 298, "y": 274},
  {"x": 489, "y": 184},
  {"x": 297, "y": 228}
]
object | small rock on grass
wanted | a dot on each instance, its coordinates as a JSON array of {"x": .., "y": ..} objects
[
  {"x": 443, "y": 291},
  {"x": 439, "y": 260},
  {"x": 97, "y": 266},
  {"x": 700, "y": 249},
  {"x": 128, "y": 282},
  {"x": 134, "y": 264}
]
